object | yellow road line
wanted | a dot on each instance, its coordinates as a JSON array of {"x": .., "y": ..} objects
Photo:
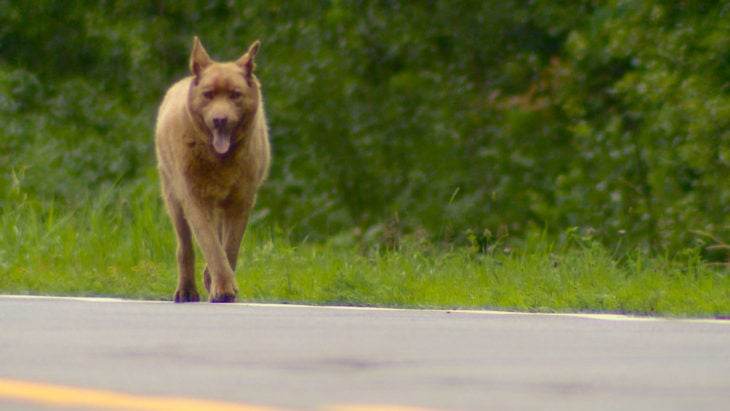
[
  {"x": 374, "y": 408},
  {"x": 62, "y": 396},
  {"x": 57, "y": 396}
]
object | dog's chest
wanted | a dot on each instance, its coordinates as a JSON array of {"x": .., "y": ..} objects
[{"x": 216, "y": 179}]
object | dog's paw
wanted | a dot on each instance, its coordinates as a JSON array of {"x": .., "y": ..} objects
[
  {"x": 223, "y": 294},
  {"x": 223, "y": 298},
  {"x": 189, "y": 295}
]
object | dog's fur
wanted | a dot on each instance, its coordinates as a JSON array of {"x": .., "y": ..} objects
[{"x": 213, "y": 154}]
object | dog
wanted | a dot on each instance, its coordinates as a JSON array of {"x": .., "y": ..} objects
[{"x": 213, "y": 153}]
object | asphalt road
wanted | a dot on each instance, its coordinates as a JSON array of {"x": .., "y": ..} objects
[{"x": 308, "y": 358}]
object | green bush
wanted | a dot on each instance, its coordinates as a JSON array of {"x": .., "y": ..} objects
[{"x": 448, "y": 118}]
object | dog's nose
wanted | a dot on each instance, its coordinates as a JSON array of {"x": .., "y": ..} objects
[{"x": 219, "y": 122}]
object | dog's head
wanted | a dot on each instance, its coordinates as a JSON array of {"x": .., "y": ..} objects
[{"x": 223, "y": 96}]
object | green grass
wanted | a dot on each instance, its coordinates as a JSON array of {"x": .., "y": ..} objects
[{"x": 121, "y": 244}]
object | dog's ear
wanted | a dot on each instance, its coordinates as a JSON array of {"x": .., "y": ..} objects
[
  {"x": 199, "y": 59},
  {"x": 246, "y": 61}
]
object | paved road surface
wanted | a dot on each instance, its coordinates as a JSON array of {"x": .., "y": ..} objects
[{"x": 305, "y": 358}]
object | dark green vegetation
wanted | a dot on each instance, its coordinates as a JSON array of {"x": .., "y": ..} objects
[{"x": 469, "y": 126}]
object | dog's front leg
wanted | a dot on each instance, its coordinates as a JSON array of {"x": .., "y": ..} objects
[
  {"x": 186, "y": 290},
  {"x": 233, "y": 227},
  {"x": 235, "y": 222},
  {"x": 223, "y": 287}
]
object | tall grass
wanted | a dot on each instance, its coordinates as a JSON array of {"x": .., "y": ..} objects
[
  {"x": 109, "y": 244},
  {"x": 120, "y": 243},
  {"x": 583, "y": 279}
]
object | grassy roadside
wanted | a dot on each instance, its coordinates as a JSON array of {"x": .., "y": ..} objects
[{"x": 113, "y": 246}]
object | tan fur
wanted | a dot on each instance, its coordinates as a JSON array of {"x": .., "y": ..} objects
[{"x": 213, "y": 153}]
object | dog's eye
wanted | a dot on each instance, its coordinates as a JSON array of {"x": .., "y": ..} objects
[
  {"x": 235, "y": 95},
  {"x": 208, "y": 94}
]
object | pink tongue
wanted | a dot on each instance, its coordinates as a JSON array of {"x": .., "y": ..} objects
[{"x": 221, "y": 142}]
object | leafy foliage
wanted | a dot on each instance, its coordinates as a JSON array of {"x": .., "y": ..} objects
[{"x": 449, "y": 118}]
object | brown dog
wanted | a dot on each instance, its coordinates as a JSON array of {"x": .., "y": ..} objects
[{"x": 213, "y": 153}]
